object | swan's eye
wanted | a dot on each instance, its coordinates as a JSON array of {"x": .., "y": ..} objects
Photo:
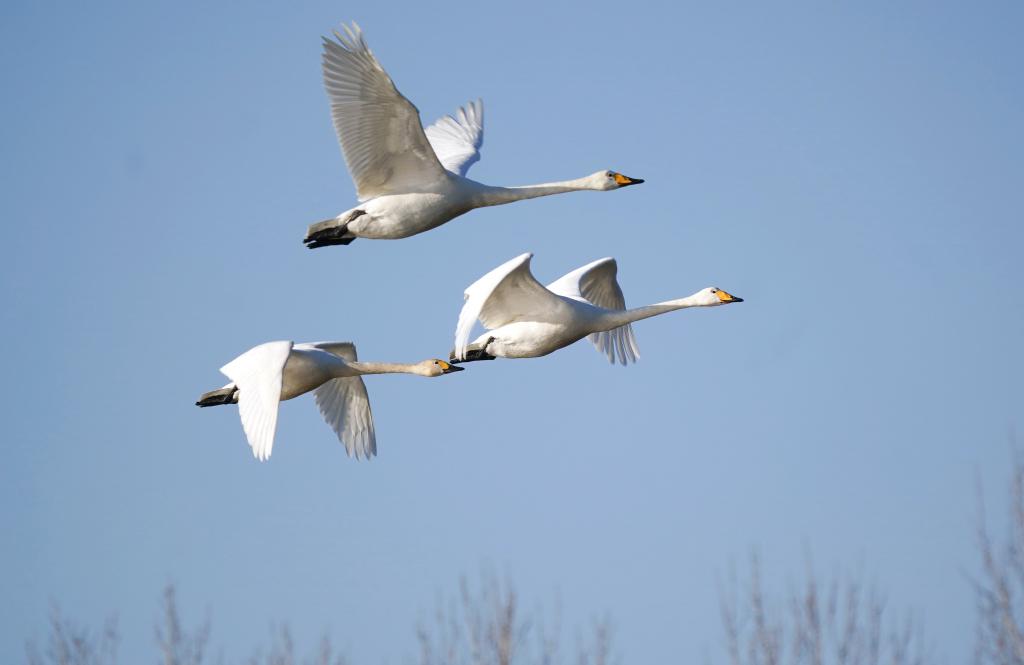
[{"x": 435, "y": 362}]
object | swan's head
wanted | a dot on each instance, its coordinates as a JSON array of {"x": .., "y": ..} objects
[
  {"x": 437, "y": 367},
  {"x": 604, "y": 180},
  {"x": 714, "y": 296}
]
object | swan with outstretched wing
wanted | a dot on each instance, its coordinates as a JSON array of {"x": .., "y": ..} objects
[
  {"x": 409, "y": 180},
  {"x": 525, "y": 319},
  {"x": 267, "y": 374}
]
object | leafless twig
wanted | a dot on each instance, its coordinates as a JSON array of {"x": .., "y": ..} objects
[{"x": 840, "y": 623}]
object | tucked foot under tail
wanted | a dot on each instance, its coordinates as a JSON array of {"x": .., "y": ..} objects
[
  {"x": 473, "y": 352},
  {"x": 225, "y": 395},
  {"x": 333, "y": 231}
]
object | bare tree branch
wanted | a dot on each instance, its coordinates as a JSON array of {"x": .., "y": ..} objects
[
  {"x": 68, "y": 644},
  {"x": 835, "y": 624},
  {"x": 486, "y": 626},
  {"x": 178, "y": 646},
  {"x": 1000, "y": 590}
]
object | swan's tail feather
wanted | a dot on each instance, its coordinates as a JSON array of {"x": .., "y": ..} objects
[{"x": 226, "y": 395}]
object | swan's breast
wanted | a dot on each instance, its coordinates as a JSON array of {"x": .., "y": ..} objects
[
  {"x": 530, "y": 339},
  {"x": 403, "y": 215}
]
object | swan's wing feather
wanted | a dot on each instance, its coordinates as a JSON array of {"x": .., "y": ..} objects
[
  {"x": 257, "y": 373},
  {"x": 379, "y": 130},
  {"x": 344, "y": 350},
  {"x": 596, "y": 283},
  {"x": 345, "y": 406},
  {"x": 476, "y": 296},
  {"x": 505, "y": 295},
  {"x": 457, "y": 139}
]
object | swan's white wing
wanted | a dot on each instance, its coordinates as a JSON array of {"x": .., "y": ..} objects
[
  {"x": 507, "y": 294},
  {"x": 257, "y": 373},
  {"x": 596, "y": 283},
  {"x": 344, "y": 350},
  {"x": 379, "y": 130},
  {"x": 457, "y": 139},
  {"x": 345, "y": 405}
]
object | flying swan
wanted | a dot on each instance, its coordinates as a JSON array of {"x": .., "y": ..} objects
[
  {"x": 266, "y": 374},
  {"x": 409, "y": 180},
  {"x": 527, "y": 320}
]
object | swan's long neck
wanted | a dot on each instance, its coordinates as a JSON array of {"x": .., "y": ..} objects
[
  {"x": 384, "y": 368},
  {"x": 492, "y": 196},
  {"x": 613, "y": 319}
]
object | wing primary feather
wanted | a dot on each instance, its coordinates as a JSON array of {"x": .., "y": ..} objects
[
  {"x": 258, "y": 375},
  {"x": 345, "y": 407},
  {"x": 379, "y": 130},
  {"x": 596, "y": 283},
  {"x": 457, "y": 139},
  {"x": 508, "y": 294}
]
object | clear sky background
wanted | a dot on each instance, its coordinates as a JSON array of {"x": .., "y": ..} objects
[{"x": 853, "y": 172}]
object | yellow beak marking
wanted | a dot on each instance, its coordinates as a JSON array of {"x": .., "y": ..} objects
[
  {"x": 723, "y": 296},
  {"x": 621, "y": 179}
]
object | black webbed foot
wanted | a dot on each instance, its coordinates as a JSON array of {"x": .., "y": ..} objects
[
  {"x": 333, "y": 231},
  {"x": 218, "y": 397},
  {"x": 473, "y": 354},
  {"x": 334, "y": 235},
  {"x": 476, "y": 354}
]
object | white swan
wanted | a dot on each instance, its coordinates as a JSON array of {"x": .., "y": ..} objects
[
  {"x": 409, "y": 180},
  {"x": 266, "y": 374},
  {"x": 527, "y": 320}
]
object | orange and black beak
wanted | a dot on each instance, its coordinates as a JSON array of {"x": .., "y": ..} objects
[
  {"x": 727, "y": 297},
  {"x": 448, "y": 368},
  {"x": 625, "y": 180}
]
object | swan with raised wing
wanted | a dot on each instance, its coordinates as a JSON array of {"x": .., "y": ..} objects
[
  {"x": 526, "y": 320},
  {"x": 266, "y": 374},
  {"x": 409, "y": 180}
]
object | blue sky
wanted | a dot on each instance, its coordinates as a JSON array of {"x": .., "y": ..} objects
[{"x": 853, "y": 172}]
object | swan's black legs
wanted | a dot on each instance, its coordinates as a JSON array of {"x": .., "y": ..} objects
[
  {"x": 227, "y": 395},
  {"x": 479, "y": 353},
  {"x": 334, "y": 235},
  {"x": 330, "y": 232}
]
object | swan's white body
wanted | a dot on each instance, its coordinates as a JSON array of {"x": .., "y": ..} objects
[
  {"x": 527, "y": 320},
  {"x": 394, "y": 216},
  {"x": 267, "y": 374},
  {"x": 409, "y": 180}
]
